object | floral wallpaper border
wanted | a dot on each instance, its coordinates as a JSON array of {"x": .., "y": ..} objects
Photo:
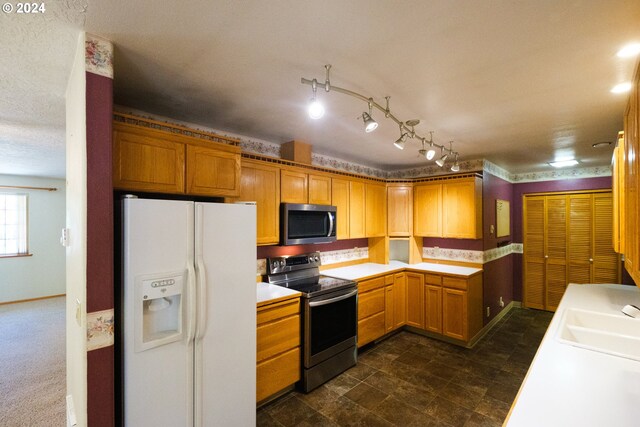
[
  {"x": 477, "y": 257},
  {"x": 326, "y": 258},
  {"x": 100, "y": 327},
  {"x": 98, "y": 56}
]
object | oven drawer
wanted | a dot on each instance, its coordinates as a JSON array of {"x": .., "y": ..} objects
[
  {"x": 276, "y": 373},
  {"x": 370, "y": 303},
  {"x": 278, "y": 336},
  {"x": 371, "y": 328}
]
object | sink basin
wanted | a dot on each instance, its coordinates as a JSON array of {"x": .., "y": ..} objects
[{"x": 605, "y": 333}]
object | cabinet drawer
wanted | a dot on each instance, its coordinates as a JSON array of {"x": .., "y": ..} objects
[
  {"x": 454, "y": 282},
  {"x": 370, "y": 284},
  {"x": 388, "y": 279},
  {"x": 277, "y": 373},
  {"x": 370, "y": 303},
  {"x": 278, "y": 336},
  {"x": 371, "y": 328},
  {"x": 432, "y": 279},
  {"x": 272, "y": 312}
]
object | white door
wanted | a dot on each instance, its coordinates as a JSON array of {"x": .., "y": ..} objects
[
  {"x": 226, "y": 326},
  {"x": 158, "y": 356}
]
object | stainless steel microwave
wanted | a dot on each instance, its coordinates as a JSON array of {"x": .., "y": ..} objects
[{"x": 301, "y": 224}]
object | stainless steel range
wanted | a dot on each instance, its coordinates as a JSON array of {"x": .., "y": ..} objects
[{"x": 330, "y": 316}]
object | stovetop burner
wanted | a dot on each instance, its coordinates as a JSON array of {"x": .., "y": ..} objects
[{"x": 301, "y": 273}]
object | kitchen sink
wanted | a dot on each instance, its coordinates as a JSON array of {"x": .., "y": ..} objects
[{"x": 605, "y": 333}]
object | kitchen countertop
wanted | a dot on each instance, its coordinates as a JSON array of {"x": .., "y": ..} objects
[
  {"x": 370, "y": 269},
  {"x": 268, "y": 293},
  {"x": 573, "y": 386}
]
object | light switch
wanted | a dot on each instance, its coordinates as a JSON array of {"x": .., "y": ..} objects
[{"x": 64, "y": 237}]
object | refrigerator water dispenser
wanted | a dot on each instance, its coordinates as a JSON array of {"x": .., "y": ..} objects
[{"x": 158, "y": 307}]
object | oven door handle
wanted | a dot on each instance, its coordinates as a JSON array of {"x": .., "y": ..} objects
[
  {"x": 331, "y": 224},
  {"x": 332, "y": 300}
]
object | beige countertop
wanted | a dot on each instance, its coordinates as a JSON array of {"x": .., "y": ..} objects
[
  {"x": 370, "y": 269},
  {"x": 272, "y": 293}
]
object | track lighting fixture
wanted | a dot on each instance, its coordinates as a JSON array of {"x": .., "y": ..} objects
[
  {"x": 455, "y": 167},
  {"x": 400, "y": 141},
  {"x": 369, "y": 124},
  {"x": 406, "y": 128}
]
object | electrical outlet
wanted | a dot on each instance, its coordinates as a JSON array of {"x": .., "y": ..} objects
[
  {"x": 488, "y": 311},
  {"x": 501, "y": 303}
]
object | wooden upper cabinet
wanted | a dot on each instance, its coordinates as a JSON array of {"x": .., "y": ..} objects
[
  {"x": 147, "y": 160},
  {"x": 357, "y": 211},
  {"x": 153, "y": 160},
  {"x": 462, "y": 208},
  {"x": 399, "y": 210},
  {"x": 260, "y": 183},
  {"x": 619, "y": 206},
  {"x": 376, "y": 210},
  {"x": 319, "y": 189},
  {"x": 293, "y": 187},
  {"x": 340, "y": 199},
  {"x": 427, "y": 210},
  {"x": 212, "y": 172}
]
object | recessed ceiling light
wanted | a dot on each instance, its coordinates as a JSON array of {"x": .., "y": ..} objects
[
  {"x": 564, "y": 163},
  {"x": 601, "y": 144},
  {"x": 622, "y": 87},
  {"x": 629, "y": 50}
]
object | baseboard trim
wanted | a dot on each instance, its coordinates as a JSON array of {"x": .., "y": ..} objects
[
  {"x": 31, "y": 299},
  {"x": 491, "y": 324}
]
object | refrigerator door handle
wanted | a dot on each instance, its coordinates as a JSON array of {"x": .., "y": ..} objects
[
  {"x": 201, "y": 322},
  {"x": 191, "y": 304}
]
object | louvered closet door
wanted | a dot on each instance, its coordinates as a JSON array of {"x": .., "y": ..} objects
[
  {"x": 605, "y": 260},
  {"x": 555, "y": 250},
  {"x": 580, "y": 237},
  {"x": 534, "y": 226}
]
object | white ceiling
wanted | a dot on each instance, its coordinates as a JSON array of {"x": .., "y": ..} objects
[{"x": 517, "y": 83}]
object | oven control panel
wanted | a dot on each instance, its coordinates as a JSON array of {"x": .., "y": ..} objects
[{"x": 289, "y": 263}]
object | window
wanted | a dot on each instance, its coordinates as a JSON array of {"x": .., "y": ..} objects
[{"x": 13, "y": 224}]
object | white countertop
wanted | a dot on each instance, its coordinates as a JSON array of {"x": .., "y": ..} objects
[
  {"x": 369, "y": 269},
  {"x": 573, "y": 386},
  {"x": 267, "y": 292}
]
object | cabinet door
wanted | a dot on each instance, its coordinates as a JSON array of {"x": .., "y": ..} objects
[
  {"x": 319, "y": 190},
  {"x": 427, "y": 210},
  {"x": 580, "y": 238},
  {"x": 555, "y": 250},
  {"x": 389, "y": 308},
  {"x": 212, "y": 172},
  {"x": 415, "y": 298},
  {"x": 400, "y": 211},
  {"x": 454, "y": 313},
  {"x": 631, "y": 176},
  {"x": 605, "y": 260},
  {"x": 534, "y": 264},
  {"x": 356, "y": 210},
  {"x": 145, "y": 161},
  {"x": 376, "y": 210},
  {"x": 433, "y": 308},
  {"x": 340, "y": 199},
  {"x": 293, "y": 187},
  {"x": 399, "y": 300},
  {"x": 462, "y": 209},
  {"x": 261, "y": 183}
]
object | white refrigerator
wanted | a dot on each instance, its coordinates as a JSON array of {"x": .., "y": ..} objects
[{"x": 189, "y": 313}]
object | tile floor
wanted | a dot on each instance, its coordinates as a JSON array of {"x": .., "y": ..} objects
[{"x": 412, "y": 380}]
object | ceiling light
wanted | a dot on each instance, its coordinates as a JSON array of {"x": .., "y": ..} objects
[
  {"x": 316, "y": 110},
  {"x": 601, "y": 144},
  {"x": 369, "y": 124},
  {"x": 441, "y": 160},
  {"x": 629, "y": 50},
  {"x": 564, "y": 163},
  {"x": 622, "y": 87},
  {"x": 400, "y": 141},
  {"x": 455, "y": 167},
  {"x": 431, "y": 152}
]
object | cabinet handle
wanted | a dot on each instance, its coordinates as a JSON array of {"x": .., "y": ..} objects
[
  {"x": 590, "y": 259},
  {"x": 546, "y": 256}
]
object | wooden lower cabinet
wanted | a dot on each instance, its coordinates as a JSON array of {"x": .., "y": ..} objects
[
  {"x": 454, "y": 314},
  {"x": 433, "y": 308},
  {"x": 278, "y": 347},
  {"x": 399, "y": 300},
  {"x": 415, "y": 299},
  {"x": 381, "y": 306}
]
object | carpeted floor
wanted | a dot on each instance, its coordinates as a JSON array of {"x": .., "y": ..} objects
[{"x": 32, "y": 363}]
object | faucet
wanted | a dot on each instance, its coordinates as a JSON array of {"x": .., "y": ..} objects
[{"x": 631, "y": 310}]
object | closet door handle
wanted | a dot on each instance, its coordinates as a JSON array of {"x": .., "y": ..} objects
[
  {"x": 546, "y": 256},
  {"x": 590, "y": 259}
]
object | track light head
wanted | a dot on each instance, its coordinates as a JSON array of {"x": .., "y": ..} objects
[
  {"x": 316, "y": 110},
  {"x": 441, "y": 160},
  {"x": 400, "y": 141},
  {"x": 369, "y": 124},
  {"x": 430, "y": 154}
]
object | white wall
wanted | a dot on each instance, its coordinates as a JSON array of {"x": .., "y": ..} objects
[
  {"x": 43, "y": 273},
  {"x": 76, "y": 215}
]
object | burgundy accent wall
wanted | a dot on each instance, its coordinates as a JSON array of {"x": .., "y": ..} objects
[
  {"x": 465, "y": 244},
  {"x": 274, "y": 251},
  {"x": 100, "y": 363},
  {"x": 497, "y": 277},
  {"x": 519, "y": 190}
]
